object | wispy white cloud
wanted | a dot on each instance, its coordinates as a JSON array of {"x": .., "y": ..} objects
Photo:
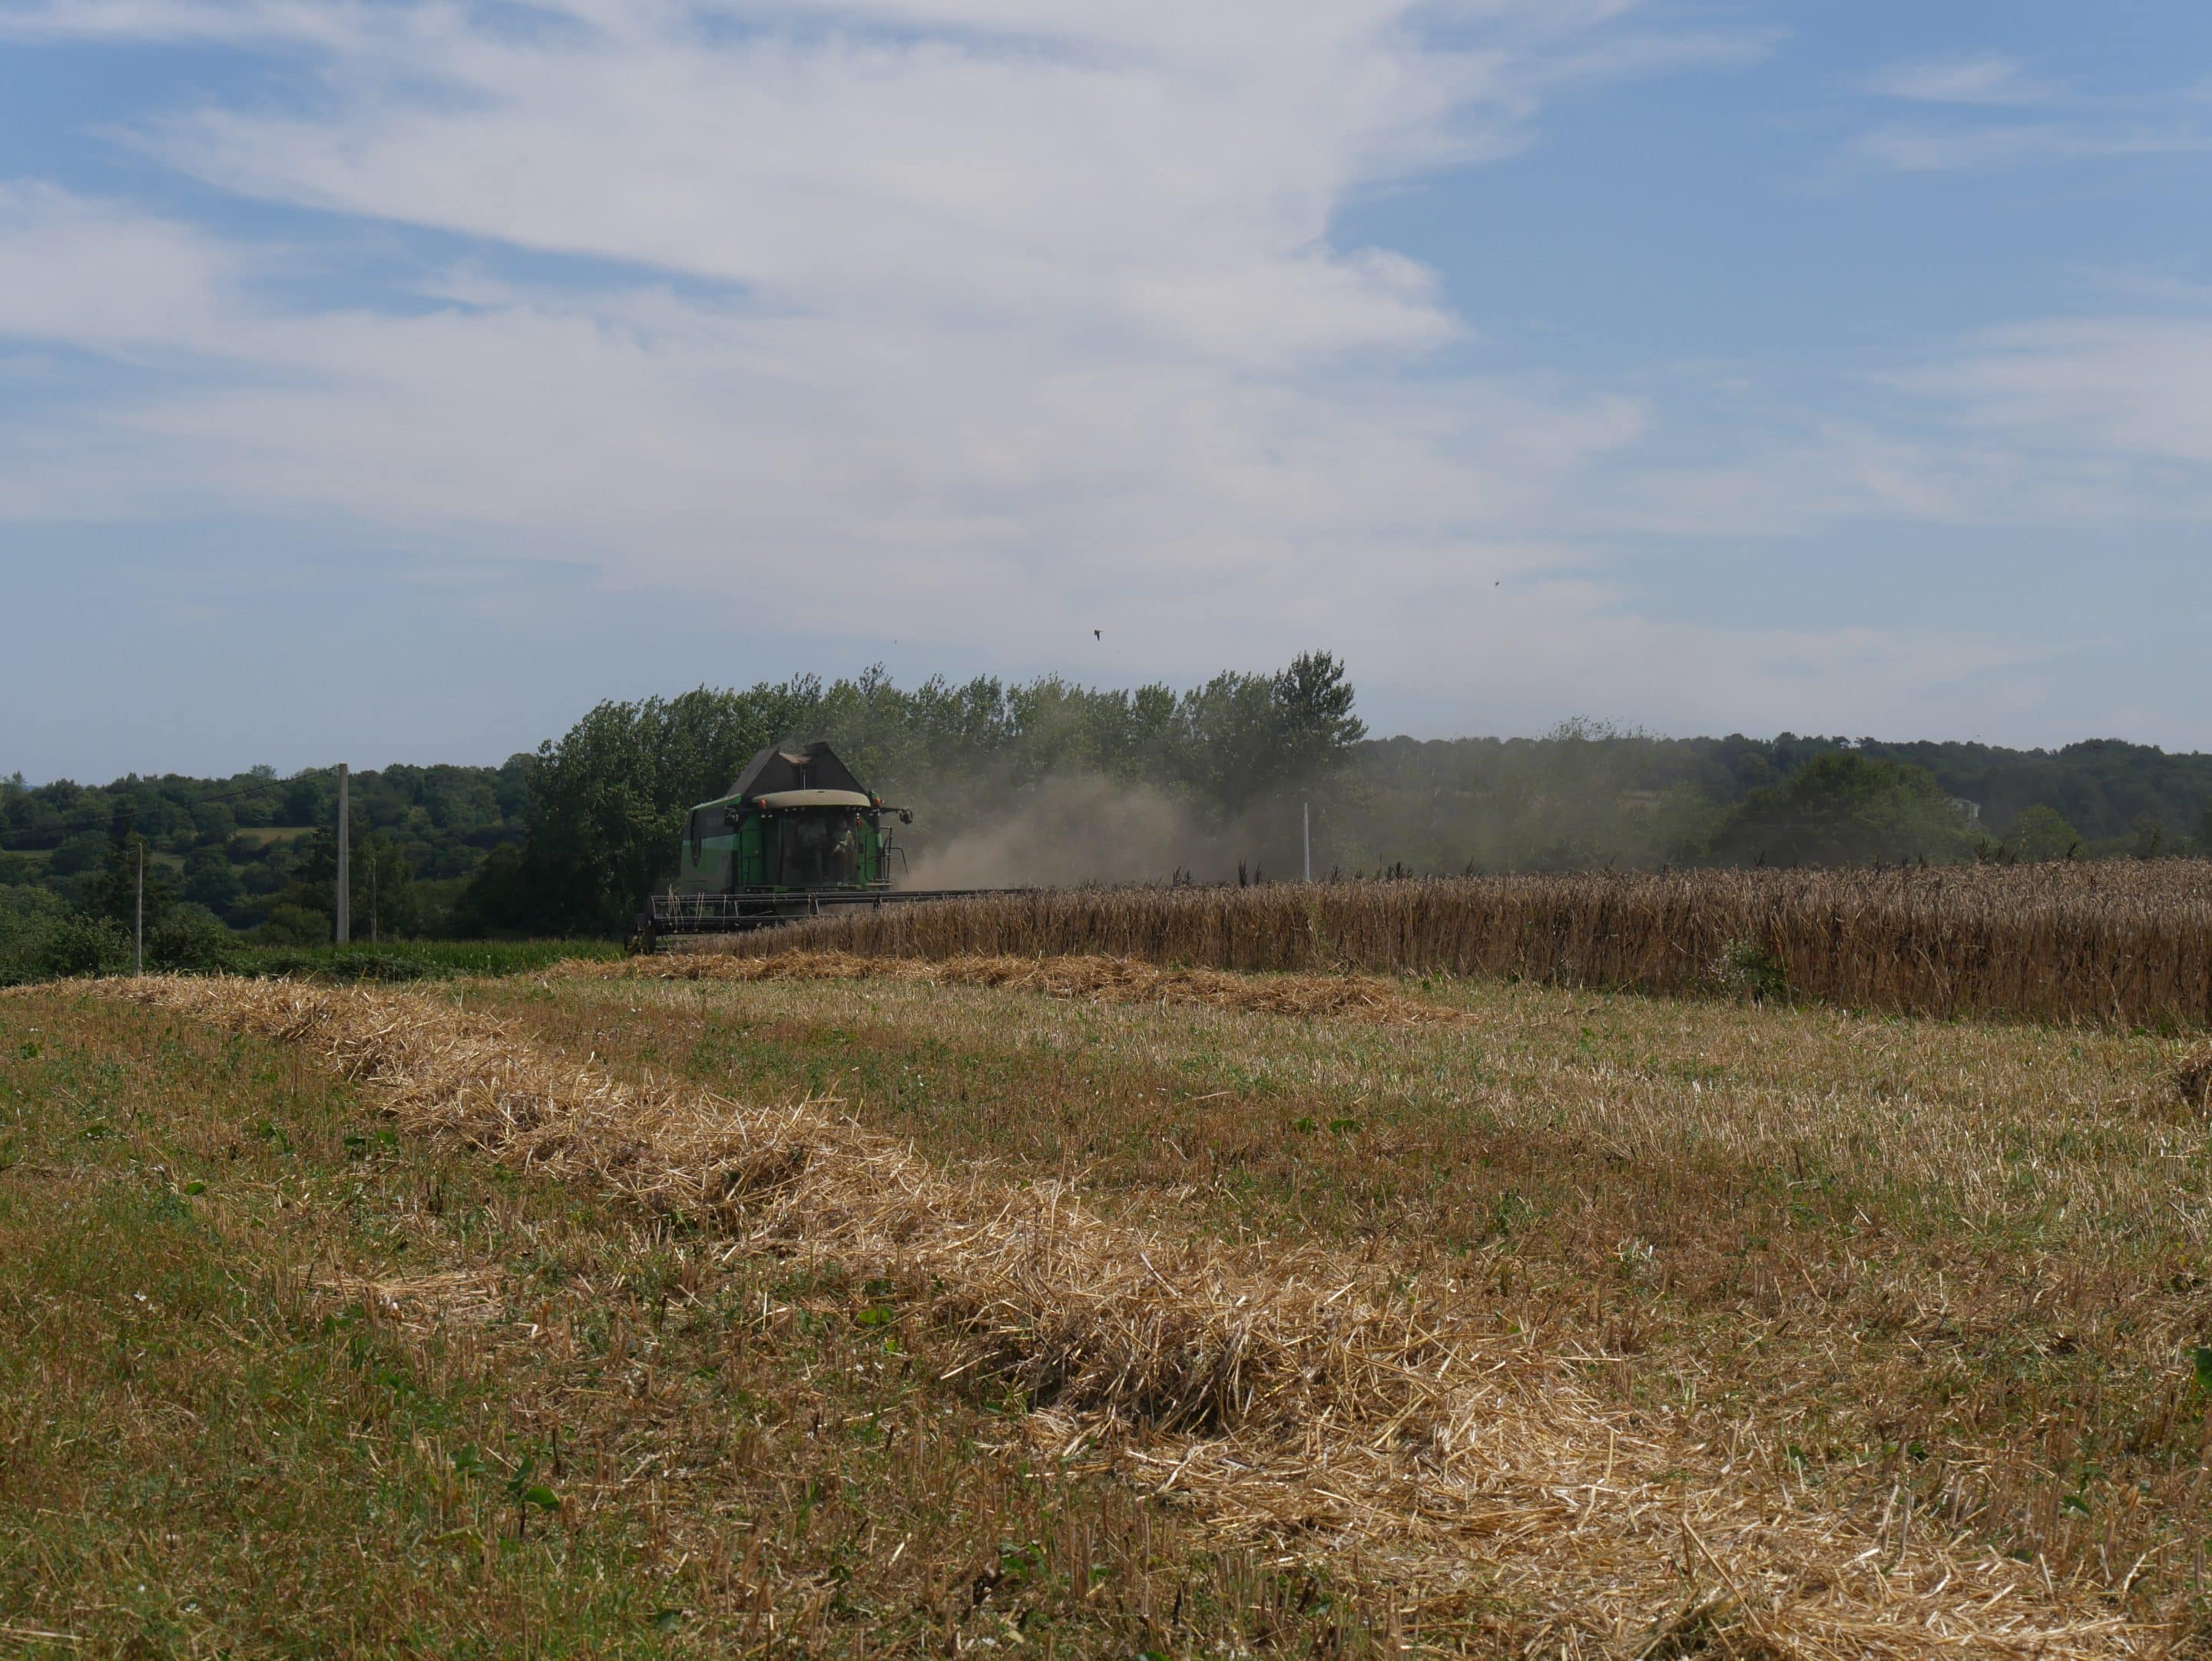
[
  {"x": 2042, "y": 120},
  {"x": 335, "y": 25},
  {"x": 1986, "y": 79},
  {"x": 1925, "y": 149},
  {"x": 2129, "y": 390},
  {"x": 1023, "y": 315},
  {"x": 106, "y": 279}
]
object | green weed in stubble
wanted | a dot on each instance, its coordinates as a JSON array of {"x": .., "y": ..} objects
[{"x": 2200, "y": 1357}]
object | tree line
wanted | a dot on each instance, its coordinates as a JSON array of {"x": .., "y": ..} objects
[{"x": 571, "y": 837}]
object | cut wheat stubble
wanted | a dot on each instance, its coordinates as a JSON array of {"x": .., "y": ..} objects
[
  {"x": 1092, "y": 978},
  {"x": 1279, "y": 1394}
]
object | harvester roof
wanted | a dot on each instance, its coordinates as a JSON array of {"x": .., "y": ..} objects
[
  {"x": 782, "y": 768},
  {"x": 814, "y": 798}
]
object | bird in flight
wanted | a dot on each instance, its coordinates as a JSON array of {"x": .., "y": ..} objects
[{"x": 1097, "y": 634}]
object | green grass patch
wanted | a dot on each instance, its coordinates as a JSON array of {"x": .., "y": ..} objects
[
  {"x": 266, "y": 834},
  {"x": 414, "y": 960}
]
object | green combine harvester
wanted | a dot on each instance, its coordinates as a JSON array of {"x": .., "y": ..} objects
[{"x": 797, "y": 836}]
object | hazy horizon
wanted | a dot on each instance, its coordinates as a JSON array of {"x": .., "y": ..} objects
[{"x": 284, "y": 769}]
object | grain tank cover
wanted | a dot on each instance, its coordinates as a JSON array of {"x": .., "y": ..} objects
[
  {"x": 782, "y": 768},
  {"x": 814, "y": 798}
]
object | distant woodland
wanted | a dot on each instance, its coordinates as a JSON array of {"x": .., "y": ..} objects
[{"x": 1207, "y": 783}]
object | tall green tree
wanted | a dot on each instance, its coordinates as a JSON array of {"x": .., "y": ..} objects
[
  {"x": 2042, "y": 833},
  {"x": 1315, "y": 727}
]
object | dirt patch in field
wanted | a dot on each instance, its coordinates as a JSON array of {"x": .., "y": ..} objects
[
  {"x": 1101, "y": 979},
  {"x": 1286, "y": 1396}
]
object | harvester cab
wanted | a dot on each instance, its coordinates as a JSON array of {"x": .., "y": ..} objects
[
  {"x": 796, "y": 835},
  {"x": 796, "y": 819}
]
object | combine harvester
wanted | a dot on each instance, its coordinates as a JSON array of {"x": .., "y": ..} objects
[{"x": 796, "y": 837}]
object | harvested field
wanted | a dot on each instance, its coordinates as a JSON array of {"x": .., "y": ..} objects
[
  {"x": 279, "y": 1378},
  {"x": 2124, "y": 943},
  {"x": 1287, "y": 1395},
  {"x": 1939, "y": 1267},
  {"x": 1104, "y": 979}
]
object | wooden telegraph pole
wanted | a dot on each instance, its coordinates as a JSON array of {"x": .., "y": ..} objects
[
  {"x": 138, "y": 916},
  {"x": 345, "y": 859}
]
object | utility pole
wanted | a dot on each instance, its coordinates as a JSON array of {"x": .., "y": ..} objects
[
  {"x": 1307, "y": 815},
  {"x": 345, "y": 859},
  {"x": 138, "y": 916},
  {"x": 372, "y": 893}
]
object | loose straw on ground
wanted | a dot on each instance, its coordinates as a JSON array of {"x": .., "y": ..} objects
[
  {"x": 1281, "y": 1395},
  {"x": 1101, "y": 979}
]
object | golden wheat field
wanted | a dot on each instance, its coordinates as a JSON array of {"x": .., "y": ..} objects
[
  {"x": 2124, "y": 943},
  {"x": 824, "y": 1304}
]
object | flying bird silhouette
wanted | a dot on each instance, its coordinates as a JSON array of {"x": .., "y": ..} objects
[{"x": 1097, "y": 634}]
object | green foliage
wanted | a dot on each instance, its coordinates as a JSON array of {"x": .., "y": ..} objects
[
  {"x": 289, "y": 925},
  {"x": 2041, "y": 833},
  {"x": 128, "y": 877},
  {"x": 21, "y": 907},
  {"x": 1585, "y": 794},
  {"x": 79, "y": 944},
  {"x": 190, "y": 938},
  {"x": 2103, "y": 785},
  {"x": 242, "y": 840},
  {"x": 82, "y": 853},
  {"x": 1845, "y": 809},
  {"x": 27, "y": 916},
  {"x": 386, "y": 900},
  {"x": 214, "y": 823},
  {"x": 46, "y": 942},
  {"x": 211, "y": 880},
  {"x": 40, "y": 939},
  {"x": 1748, "y": 970}
]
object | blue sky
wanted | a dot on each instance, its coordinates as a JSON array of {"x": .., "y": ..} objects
[{"x": 391, "y": 381}]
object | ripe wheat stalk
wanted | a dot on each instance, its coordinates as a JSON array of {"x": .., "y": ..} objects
[{"x": 2124, "y": 943}]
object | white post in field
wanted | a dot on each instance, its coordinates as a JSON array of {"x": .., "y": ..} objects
[{"x": 345, "y": 860}]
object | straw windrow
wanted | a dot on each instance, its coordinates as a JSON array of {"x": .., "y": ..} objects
[
  {"x": 1102, "y": 979},
  {"x": 1284, "y": 1395}
]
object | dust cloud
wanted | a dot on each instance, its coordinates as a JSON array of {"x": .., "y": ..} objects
[{"x": 1067, "y": 831}]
